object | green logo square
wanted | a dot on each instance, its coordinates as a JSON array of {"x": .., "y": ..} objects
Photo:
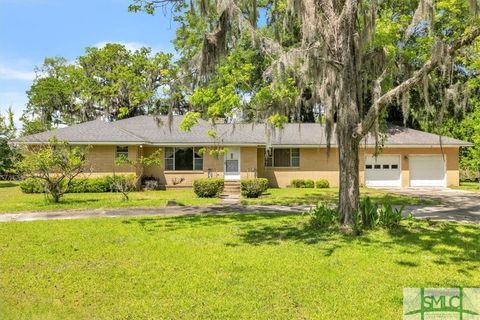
[{"x": 441, "y": 303}]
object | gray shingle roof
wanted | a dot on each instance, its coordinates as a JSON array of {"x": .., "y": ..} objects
[
  {"x": 153, "y": 130},
  {"x": 96, "y": 131}
]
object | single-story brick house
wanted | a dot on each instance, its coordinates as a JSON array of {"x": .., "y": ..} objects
[{"x": 410, "y": 158}]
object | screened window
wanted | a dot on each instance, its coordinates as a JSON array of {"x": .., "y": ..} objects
[
  {"x": 183, "y": 159},
  {"x": 121, "y": 152},
  {"x": 286, "y": 157}
]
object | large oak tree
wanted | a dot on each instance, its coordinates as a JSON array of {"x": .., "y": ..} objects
[
  {"x": 354, "y": 58},
  {"x": 111, "y": 81}
]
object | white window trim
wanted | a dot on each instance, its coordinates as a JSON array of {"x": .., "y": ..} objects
[
  {"x": 291, "y": 157},
  {"x": 193, "y": 162}
]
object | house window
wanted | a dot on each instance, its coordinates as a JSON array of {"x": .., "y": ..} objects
[
  {"x": 183, "y": 159},
  {"x": 285, "y": 157},
  {"x": 121, "y": 152}
]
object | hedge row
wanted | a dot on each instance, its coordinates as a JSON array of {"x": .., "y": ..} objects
[
  {"x": 81, "y": 185},
  {"x": 309, "y": 183}
]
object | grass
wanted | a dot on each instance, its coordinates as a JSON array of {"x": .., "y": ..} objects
[
  {"x": 224, "y": 267},
  {"x": 469, "y": 186},
  {"x": 293, "y": 196},
  {"x": 14, "y": 200}
]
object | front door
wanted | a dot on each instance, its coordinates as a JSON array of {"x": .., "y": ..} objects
[{"x": 232, "y": 164}]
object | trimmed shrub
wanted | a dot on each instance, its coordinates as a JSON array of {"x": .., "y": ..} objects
[
  {"x": 302, "y": 183},
  {"x": 83, "y": 185},
  {"x": 31, "y": 185},
  {"x": 322, "y": 184},
  {"x": 253, "y": 188},
  {"x": 208, "y": 187}
]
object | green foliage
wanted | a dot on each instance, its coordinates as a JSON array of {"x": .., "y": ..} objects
[
  {"x": 468, "y": 129},
  {"x": 33, "y": 126},
  {"x": 31, "y": 185},
  {"x": 234, "y": 79},
  {"x": 110, "y": 81},
  {"x": 278, "y": 120},
  {"x": 323, "y": 217},
  {"x": 370, "y": 216},
  {"x": 322, "y": 184},
  {"x": 55, "y": 164},
  {"x": 253, "y": 188},
  {"x": 302, "y": 183},
  {"x": 273, "y": 97},
  {"x": 189, "y": 120},
  {"x": 389, "y": 216},
  {"x": 126, "y": 185},
  {"x": 208, "y": 187},
  {"x": 8, "y": 153},
  {"x": 82, "y": 185},
  {"x": 373, "y": 215},
  {"x": 91, "y": 185},
  {"x": 368, "y": 213}
]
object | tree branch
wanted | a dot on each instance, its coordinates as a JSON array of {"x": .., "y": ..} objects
[{"x": 380, "y": 103}]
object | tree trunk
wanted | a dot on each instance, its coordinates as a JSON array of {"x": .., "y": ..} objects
[{"x": 349, "y": 194}]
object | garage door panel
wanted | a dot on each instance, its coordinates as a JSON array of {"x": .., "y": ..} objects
[
  {"x": 382, "y": 171},
  {"x": 427, "y": 171}
]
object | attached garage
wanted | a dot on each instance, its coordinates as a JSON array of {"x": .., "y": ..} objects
[
  {"x": 427, "y": 170},
  {"x": 383, "y": 171}
]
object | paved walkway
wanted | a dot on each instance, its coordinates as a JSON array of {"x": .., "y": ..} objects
[
  {"x": 458, "y": 205},
  {"x": 135, "y": 212}
]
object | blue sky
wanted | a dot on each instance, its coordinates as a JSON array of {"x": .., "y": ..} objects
[{"x": 31, "y": 30}]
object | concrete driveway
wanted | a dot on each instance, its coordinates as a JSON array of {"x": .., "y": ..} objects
[{"x": 457, "y": 205}]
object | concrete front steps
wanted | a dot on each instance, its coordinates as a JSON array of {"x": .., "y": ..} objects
[{"x": 231, "y": 191}]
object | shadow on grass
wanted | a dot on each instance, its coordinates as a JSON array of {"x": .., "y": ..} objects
[
  {"x": 7, "y": 184},
  {"x": 451, "y": 243},
  {"x": 332, "y": 197},
  {"x": 65, "y": 202}
]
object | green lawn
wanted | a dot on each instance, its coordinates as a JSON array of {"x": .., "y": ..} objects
[
  {"x": 14, "y": 200},
  {"x": 469, "y": 186},
  {"x": 291, "y": 196},
  {"x": 224, "y": 267}
]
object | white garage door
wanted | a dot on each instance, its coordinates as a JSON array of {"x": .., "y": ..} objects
[
  {"x": 427, "y": 171},
  {"x": 383, "y": 171}
]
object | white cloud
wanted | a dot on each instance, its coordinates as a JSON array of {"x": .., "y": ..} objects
[
  {"x": 132, "y": 46},
  {"x": 15, "y": 99},
  {"x": 7, "y": 73}
]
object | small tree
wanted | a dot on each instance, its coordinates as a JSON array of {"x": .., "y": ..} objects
[
  {"x": 8, "y": 153},
  {"x": 55, "y": 164},
  {"x": 125, "y": 185}
]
